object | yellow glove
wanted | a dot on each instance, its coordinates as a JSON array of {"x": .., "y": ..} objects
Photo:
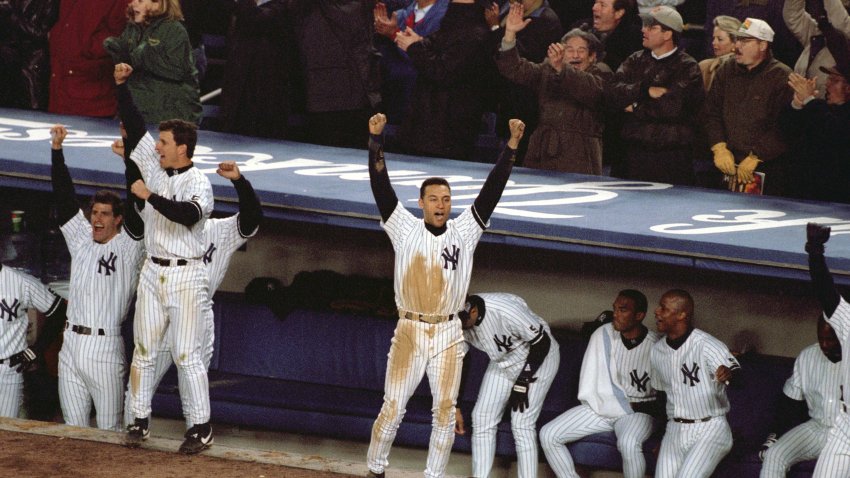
[
  {"x": 723, "y": 159},
  {"x": 746, "y": 168}
]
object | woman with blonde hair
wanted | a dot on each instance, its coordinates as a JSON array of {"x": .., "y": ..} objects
[
  {"x": 723, "y": 44},
  {"x": 164, "y": 82}
]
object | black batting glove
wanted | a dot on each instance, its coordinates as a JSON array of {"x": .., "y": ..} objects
[
  {"x": 23, "y": 360},
  {"x": 816, "y": 237},
  {"x": 519, "y": 393}
]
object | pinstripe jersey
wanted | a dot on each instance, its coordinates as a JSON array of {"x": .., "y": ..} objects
[
  {"x": 165, "y": 238},
  {"x": 840, "y": 322},
  {"x": 432, "y": 272},
  {"x": 687, "y": 376},
  {"x": 631, "y": 370},
  {"x": 103, "y": 276},
  {"x": 507, "y": 329},
  {"x": 222, "y": 238},
  {"x": 20, "y": 291},
  {"x": 817, "y": 381}
]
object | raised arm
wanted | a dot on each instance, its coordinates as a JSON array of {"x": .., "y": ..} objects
[
  {"x": 250, "y": 210},
  {"x": 379, "y": 178},
  {"x": 181, "y": 212},
  {"x": 63, "y": 185},
  {"x": 816, "y": 237},
  {"x": 132, "y": 120},
  {"x": 491, "y": 192}
]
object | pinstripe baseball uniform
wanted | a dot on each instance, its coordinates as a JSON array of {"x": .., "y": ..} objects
[
  {"x": 433, "y": 265},
  {"x": 91, "y": 361},
  {"x": 835, "y": 457},
  {"x": 698, "y": 435},
  {"x": 223, "y": 237},
  {"x": 615, "y": 374},
  {"x": 505, "y": 334},
  {"x": 18, "y": 292},
  {"x": 173, "y": 288},
  {"x": 817, "y": 380}
]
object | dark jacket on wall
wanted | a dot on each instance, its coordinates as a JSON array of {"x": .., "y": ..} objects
[
  {"x": 445, "y": 110},
  {"x": 24, "y": 59}
]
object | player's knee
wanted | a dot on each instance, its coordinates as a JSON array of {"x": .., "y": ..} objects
[
  {"x": 549, "y": 437},
  {"x": 444, "y": 414},
  {"x": 628, "y": 445}
]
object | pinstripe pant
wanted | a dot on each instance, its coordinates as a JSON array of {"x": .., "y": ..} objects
[
  {"x": 490, "y": 407},
  {"x": 578, "y": 422},
  {"x": 801, "y": 443},
  {"x": 164, "y": 361},
  {"x": 418, "y": 349},
  {"x": 834, "y": 460},
  {"x": 11, "y": 391},
  {"x": 173, "y": 300},
  {"x": 693, "y": 450},
  {"x": 91, "y": 370}
]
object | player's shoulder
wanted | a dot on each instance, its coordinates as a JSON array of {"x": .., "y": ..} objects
[{"x": 810, "y": 355}]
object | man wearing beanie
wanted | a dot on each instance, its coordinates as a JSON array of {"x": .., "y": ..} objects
[
  {"x": 659, "y": 91},
  {"x": 742, "y": 110}
]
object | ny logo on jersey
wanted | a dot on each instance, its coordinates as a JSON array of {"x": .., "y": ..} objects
[
  {"x": 9, "y": 312},
  {"x": 534, "y": 329},
  {"x": 507, "y": 342},
  {"x": 691, "y": 374},
  {"x": 452, "y": 257},
  {"x": 107, "y": 264},
  {"x": 639, "y": 382},
  {"x": 208, "y": 256}
]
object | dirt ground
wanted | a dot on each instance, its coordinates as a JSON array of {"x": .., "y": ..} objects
[{"x": 24, "y": 455}]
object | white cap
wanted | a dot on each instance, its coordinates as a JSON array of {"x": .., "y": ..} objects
[{"x": 755, "y": 28}]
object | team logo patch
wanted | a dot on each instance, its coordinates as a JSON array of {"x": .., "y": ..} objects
[
  {"x": 9, "y": 312},
  {"x": 639, "y": 382},
  {"x": 451, "y": 257},
  {"x": 691, "y": 374},
  {"x": 208, "y": 256},
  {"x": 506, "y": 342},
  {"x": 106, "y": 265}
]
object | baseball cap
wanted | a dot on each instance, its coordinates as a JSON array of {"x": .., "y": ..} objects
[
  {"x": 755, "y": 28},
  {"x": 836, "y": 70},
  {"x": 664, "y": 15}
]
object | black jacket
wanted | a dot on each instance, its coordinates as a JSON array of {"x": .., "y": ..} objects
[{"x": 24, "y": 62}]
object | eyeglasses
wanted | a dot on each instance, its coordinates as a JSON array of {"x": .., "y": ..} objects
[{"x": 745, "y": 40}]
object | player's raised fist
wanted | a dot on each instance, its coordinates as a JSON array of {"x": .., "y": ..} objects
[
  {"x": 121, "y": 72},
  {"x": 229, "y": 170},
  {"x": 816, "y": 237},
  {"x": 118, "y": 147},
  {"x": 57, "y": 136},
  {"x": 517, "y": 128},
  {"x": 377, "y": 123},
  {"x": 140, "y": 190}
]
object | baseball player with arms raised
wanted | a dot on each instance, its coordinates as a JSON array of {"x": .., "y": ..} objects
[
  {"x": 524, "y": 359},
  {"x": 433, "y": 264},
  {"x": 105, "y": 267},
  {"x": 223, "y": 237},
  {"x": 693, "y": 369},
  {"x": 835, "y": 457},
  {"x": 173, "y": 288},
  {"x": 816, "y": 383},
  {"x": 614, "y": 390},
  {"x": 18, "y": 292}
]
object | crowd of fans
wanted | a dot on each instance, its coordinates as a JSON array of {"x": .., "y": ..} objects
[{"x": 610, "y": 86}]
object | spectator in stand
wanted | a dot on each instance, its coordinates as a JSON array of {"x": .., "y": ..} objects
[
  {"x": 644, "y": 6},
  {"x": 822, "y": 127},
  {"x": 24, "y": 63},
  {"x": 617, "y": 25},
  {"x": 164, "y": 83},
  {"x": 255, "y": 95},
  {"x": 397, "y": 72},
  {"x": 785, "y": 47},
  {"x": 742, "y": 110},
  {"x": 340, "y": 68},
  {"x": 802, "y": 18},
  {"x": 532, "y": 41},
  {"x": 569, "y": 89},
  {"x": 206, "y": 16},
  {"x": 81, "y": 70},
  {"x": 446, "y": 106},
  {"x": 659, "y": 90},
  {"x": 723, "y": 46}
]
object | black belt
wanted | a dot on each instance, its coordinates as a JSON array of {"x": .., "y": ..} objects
[
  {"x": 169, "y": 262},
  {"x": 688, "y": 420},
  {"x": 83, "y": 330}
]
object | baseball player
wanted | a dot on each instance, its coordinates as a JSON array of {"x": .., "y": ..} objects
[
  {"x": 816, "y": 383},
  {"x": 614, "y": 390},
  {"x": 433, "y": 264},
  {"x": 835, "y": 457},
  {"x": 222, "y": 238},
  {"x": 173, "y": 287},
  {"x": 18, "y": 292},
  {"x": 105, "y": 267},
  {"x": 524, "y": 359},
  {"x": 693, "y": 369}
]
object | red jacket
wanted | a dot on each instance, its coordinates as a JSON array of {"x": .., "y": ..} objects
[{"x": 81, "y": 71}]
